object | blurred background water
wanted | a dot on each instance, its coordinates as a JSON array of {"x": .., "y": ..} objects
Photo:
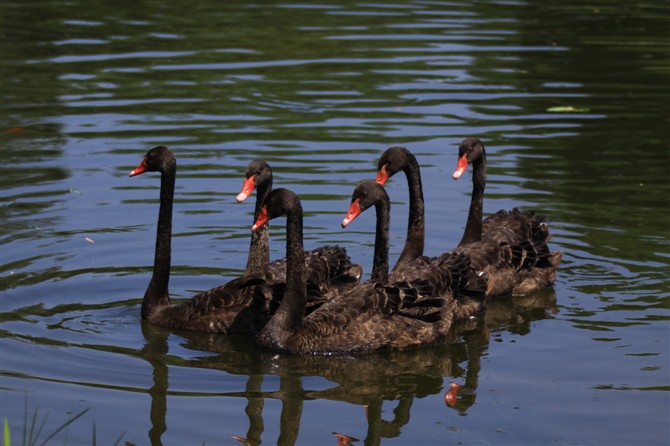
[{"x": 319, "y": 90}]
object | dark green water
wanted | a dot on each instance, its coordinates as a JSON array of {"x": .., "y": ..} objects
[{"x": 319, "y": 90}]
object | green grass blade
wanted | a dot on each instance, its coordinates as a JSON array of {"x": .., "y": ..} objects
[
  {"x": 64, "y": 425},
  {"x": 32, "y": 428},
  {"x": 5, "y": 434},
  {"x": 39, "y": 431},
  {"x": 118, "y": 440}
]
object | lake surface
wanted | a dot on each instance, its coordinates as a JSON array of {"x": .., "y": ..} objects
[{"x": 320, "y": 90}]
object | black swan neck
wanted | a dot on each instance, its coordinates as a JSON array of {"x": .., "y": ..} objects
[
  {"x": 473, "y": 227},
  {"x": 414, "y": 243},
  {"x": 262, "y": 191},
  {"x": 380, "y": 263},
  {"x": 157, "y": 291},
  {"x": 292, "y": 308},
  {"x": 258, "y": 261}
]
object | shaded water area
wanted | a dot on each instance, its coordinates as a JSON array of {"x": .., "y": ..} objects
[{"x": 319, "y": 90}]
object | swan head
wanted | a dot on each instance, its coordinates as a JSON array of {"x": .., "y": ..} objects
[
  {"x": 258, "y": 174},
  {"x": 278, "y": 202},
  {"x": 470, "y": 150},
  {"x": 158, "y": 159},
  {"x": 392, "y": 161},
  {"x": 366, "y": 194}
]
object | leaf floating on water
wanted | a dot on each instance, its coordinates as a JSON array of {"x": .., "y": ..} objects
[
  {"x": 568, "y": 109},
  {"x": 90, "y": 240}
]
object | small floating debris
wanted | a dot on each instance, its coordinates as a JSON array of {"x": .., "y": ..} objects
[
  {"x": 90, "y": 240},
  {"x": 568, "y": 109}
]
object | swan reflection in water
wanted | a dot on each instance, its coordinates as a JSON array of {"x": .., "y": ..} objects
[{"x": 366, "y": 380}]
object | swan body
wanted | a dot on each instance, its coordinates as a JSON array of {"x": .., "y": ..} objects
[{"x": 371, "y": 316}]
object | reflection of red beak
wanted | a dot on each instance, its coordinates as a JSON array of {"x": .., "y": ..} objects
[
  {"x": 141, "y": 168},
  {"x": 242, "y": 440},
  {"x": 460, "y": 168},
  {"x": 452, "y": 393},
  {"x": 344, "y": 440},
  {"x": 382, "y": 175},
  {"x": 262, "y": 218},
  {"x": 247, "y": 188},
  {"x": 354, "y": 211}
]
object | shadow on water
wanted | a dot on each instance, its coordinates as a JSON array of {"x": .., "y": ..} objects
[{"x": 366, "y": 381}]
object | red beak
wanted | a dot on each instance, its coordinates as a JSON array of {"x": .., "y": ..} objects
[
  {"x": 141, "y": 168},
  {"x": 460, "y": 168},
  {"x": 354, "y": 211},
  {"x": 382, "y": 175},
  {"x": 262, "y": 219},
  {"x": 247, "y": 188}
]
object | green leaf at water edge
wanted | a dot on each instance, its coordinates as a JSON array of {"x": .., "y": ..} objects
[{"x": 5, "y": 434}]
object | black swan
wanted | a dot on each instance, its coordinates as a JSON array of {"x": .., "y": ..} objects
[
  {"x": 511, "y": 252},
  {"x": 370, "y": 317},
  {"x": 235, "y": 307},
  {"x": 538, "y": 265},
  {"x": 391, "y": 162},
  {"x": 421, "y": 272},
  {"x": 329, "y": 270}
]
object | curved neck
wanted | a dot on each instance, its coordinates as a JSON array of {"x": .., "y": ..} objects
[
  {"x": 473, "y": 228},
  {"x": 380, "y": 263},
  {"x": 414, "y": 243},
  {"x": 258, "y": 261},
  {"x": 292, "y": 308},
  {"x": 157, "y": 292}
]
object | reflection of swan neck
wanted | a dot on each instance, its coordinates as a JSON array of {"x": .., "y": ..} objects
[{"x": 154, "y": 351}]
